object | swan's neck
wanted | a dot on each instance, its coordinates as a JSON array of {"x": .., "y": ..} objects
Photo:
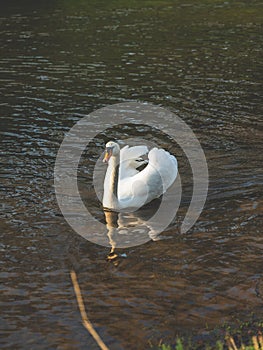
[
  {"x": 115, "y": 179},
  {"x": 110, "y": 197}
]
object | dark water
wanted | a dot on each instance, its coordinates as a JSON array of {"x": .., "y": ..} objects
[{"x": 61, "y": 60}]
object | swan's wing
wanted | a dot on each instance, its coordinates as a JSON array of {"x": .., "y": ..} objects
[
  {"x": 151, "y": 182},
  {"x": 127, "y": 154},
  {"x": 132, "y": 152},
  {"x": 165, "y": 164}
]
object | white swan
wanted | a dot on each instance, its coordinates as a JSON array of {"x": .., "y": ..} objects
[{"x": 141, "y": 188}]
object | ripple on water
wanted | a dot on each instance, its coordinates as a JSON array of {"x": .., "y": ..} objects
[{"x": 207, "y": 72}]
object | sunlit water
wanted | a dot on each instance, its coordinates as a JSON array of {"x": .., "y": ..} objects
[{"x": 61, "y": 61}]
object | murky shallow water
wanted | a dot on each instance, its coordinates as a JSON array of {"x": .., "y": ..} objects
[{"x": 61, "y": 61}]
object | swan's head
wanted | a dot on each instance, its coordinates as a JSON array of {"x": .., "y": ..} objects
[{"x": 112, "y": 150}]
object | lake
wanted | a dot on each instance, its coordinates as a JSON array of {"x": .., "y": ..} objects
[{"x": 62, "y": 60}]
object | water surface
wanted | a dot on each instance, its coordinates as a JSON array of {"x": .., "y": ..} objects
[{"x": 61, "y": 60}]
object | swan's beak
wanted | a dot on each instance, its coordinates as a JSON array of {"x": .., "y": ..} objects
[{"x": 108, "y": 154}]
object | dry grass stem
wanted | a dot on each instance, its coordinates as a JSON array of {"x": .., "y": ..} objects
[
  {"x": 87, "y": 324},
  {"x": 231, "y": 343},
  {"x": 255, "y": 343}
]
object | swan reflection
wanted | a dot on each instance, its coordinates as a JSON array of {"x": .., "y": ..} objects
[{"x": 129, "y": 229}]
